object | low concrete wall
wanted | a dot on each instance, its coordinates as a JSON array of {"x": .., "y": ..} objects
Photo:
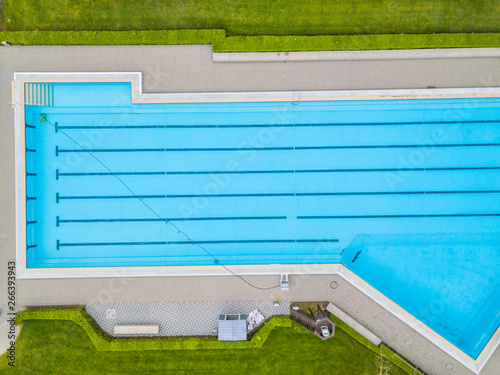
[
  {"x": 353, "y": 324},
  {"x": 404, "y": 54}
]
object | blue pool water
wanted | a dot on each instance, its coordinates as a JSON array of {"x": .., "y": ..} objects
[
  {"x": 449, "y": 282},
  {"x": 405, "y": 193}
]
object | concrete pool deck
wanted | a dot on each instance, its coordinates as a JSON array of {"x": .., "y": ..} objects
[{"x": 184, "y": 69}]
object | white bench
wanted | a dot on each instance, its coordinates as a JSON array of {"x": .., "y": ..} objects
[
  {"x": 140, "y": 329},
  {"x": 354, "y": 324}
]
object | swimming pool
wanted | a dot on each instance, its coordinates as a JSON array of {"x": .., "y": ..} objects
[{"x": 359, "y": 182}]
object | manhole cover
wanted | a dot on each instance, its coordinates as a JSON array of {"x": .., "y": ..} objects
[
  {"x": 111, "y": 313},
  {"x": 334, "y": 285},
  {"x": 449, "y": 366}
]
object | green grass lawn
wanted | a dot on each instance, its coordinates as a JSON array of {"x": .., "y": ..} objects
[
  {"x": 256, "y": 17},
  {"x": 62, "y": 347}
]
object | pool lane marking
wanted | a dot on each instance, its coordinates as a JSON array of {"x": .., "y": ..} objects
[
  {"x": 169, "y": 219},
  {"x": 216, "y": 242},
  {"x": 326, "y": 217},
  {"x": 252, "y": 241},
  {"x": 216, "y": 126},
  {"x": 284, "y": 148},
  {"x": 280, "y": 171},
  {"x": 139, "y": 243},
  {"x": 60, "y": 197},
  {"x": 112, "y": 173},
  {"x": 258, "y": 195}
]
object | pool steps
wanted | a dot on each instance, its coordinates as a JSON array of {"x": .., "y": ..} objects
[{"x": 38, "y": 94}]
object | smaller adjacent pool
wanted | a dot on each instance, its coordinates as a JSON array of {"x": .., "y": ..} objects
[{"x": 449, "y": 282}]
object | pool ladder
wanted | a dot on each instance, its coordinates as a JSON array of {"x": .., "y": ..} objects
[{"x": 38, "y": 94}]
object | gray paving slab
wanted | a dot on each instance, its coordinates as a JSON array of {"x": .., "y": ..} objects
[
  {"x": 183, "y": 318},
  {"x": 184, "y": 69}
]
